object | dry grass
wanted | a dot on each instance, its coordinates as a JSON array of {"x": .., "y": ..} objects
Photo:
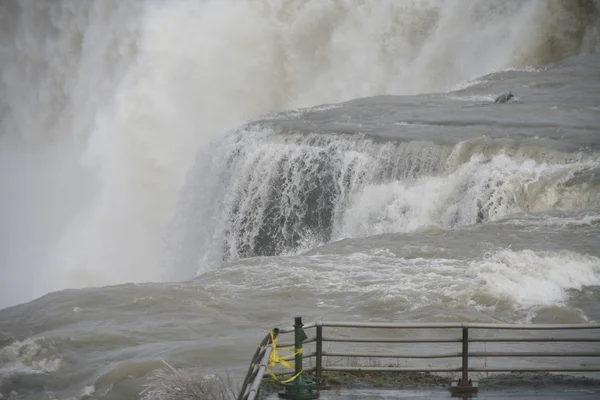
[{"x": 176, "y": 384}]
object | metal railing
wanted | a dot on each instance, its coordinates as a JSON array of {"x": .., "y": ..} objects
[
  {"x": 464, "y": 354},
  {"x": 257, "y": 369},
  {"x": 260, "y": 360}
]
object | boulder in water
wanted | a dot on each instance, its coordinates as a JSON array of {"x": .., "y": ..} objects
[{"x": 504, "y": 97}]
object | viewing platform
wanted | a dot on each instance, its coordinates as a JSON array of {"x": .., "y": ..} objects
[{"x": 426, "y": 360}]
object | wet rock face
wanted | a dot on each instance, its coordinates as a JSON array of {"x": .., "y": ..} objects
[{"x": 504, "y": 97}]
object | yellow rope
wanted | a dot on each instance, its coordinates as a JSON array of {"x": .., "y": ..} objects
[
  {"x": 287, "y": 380},
  {"x": 275, "y": 359}
]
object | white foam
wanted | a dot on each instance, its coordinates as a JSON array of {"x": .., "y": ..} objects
[
  {"x": 30, "y": 356},
  {"x": 534, "y": 278},
  {"x": 479, "y": 190},
  {"x": 87, "y": 391},
  {"x": 514, "y": 285}
]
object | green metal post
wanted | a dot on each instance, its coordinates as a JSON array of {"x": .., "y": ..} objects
[
  {"x": 299, "y": 388},
  {"x": 299, "y": 336}
]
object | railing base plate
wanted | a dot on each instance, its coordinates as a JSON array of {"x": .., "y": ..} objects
[
  {"x": 463, "y": 390},
  {"x": 300, "y": 389}
]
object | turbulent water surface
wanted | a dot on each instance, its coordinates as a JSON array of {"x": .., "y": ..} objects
[{"x": 179, "y": 176}]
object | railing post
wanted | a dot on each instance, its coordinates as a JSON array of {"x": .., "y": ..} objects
[
  {"x": 299, "y": 337},
  {"x": 299, "y": 388},
  {"x": 465, "y": 355},
  {"x": 319, "y": 352},
  {"x": 464, "y": 385}
]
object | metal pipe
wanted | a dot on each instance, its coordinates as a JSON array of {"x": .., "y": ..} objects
[
  {"x": 362, "y": 340},
  {"x": 474, "y": 325},
  {"x": 261, "y": 371},
  {"x": 389, "y": 369},
  {"x": 370, "y": 355},
  {"x": 471, "y": 340},
  {"x": 255, "y": 359},
  {"x": 342, "y": 324},
  {"x": 549, "y": 339},
  {"x": 529, "y": 354},
  {"x": 580, "y": 369},
  {"x": 456, "y": 325}
]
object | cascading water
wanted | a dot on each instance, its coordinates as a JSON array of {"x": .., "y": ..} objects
[
  {"x": 104, "y": 106},
  {"x": 279, "y": 193}
]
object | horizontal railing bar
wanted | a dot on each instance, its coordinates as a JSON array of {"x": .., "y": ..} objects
[
  {"x": 362, "y": 340},
  {"x": 453, "y": 355},
  {"x": 364, "y": 355},
  {"x": 405, "y": 369},
  {"x": 456, "y": 325},
  {"x": 389, "y": 369},
  {"x": 343, "y": 324},
  {"x": 511, "y": 369},
  {"x": 532, "y": 354},
  {"x": 550, "y": 339},
  {"x": 458, "y": 340},
  {"x": 308, "y": 355},
  {"x": 476, "y": 325}
]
